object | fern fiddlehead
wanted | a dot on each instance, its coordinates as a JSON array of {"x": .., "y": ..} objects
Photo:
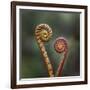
[
  {"x": 43, "y": 33},
  {"x": 61, "y": 46}
]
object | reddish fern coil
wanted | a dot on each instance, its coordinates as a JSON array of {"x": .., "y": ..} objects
[{"x": 61, "y": 46}]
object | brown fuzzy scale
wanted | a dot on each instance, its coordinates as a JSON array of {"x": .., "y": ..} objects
[{"x": 41, "y": 38}]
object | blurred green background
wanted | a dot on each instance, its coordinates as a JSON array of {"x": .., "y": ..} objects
[{"x": 63, "y": 24}]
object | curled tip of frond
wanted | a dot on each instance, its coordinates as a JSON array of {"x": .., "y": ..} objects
[{"x": 43, "y": 31}]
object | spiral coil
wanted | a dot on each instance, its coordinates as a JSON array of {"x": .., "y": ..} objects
[
  {"x": 61, "y": 46},
  {"x": 43, "y": 34}
]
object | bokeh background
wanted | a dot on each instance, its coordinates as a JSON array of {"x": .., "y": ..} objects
[{"x": 63, "y": 24}]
